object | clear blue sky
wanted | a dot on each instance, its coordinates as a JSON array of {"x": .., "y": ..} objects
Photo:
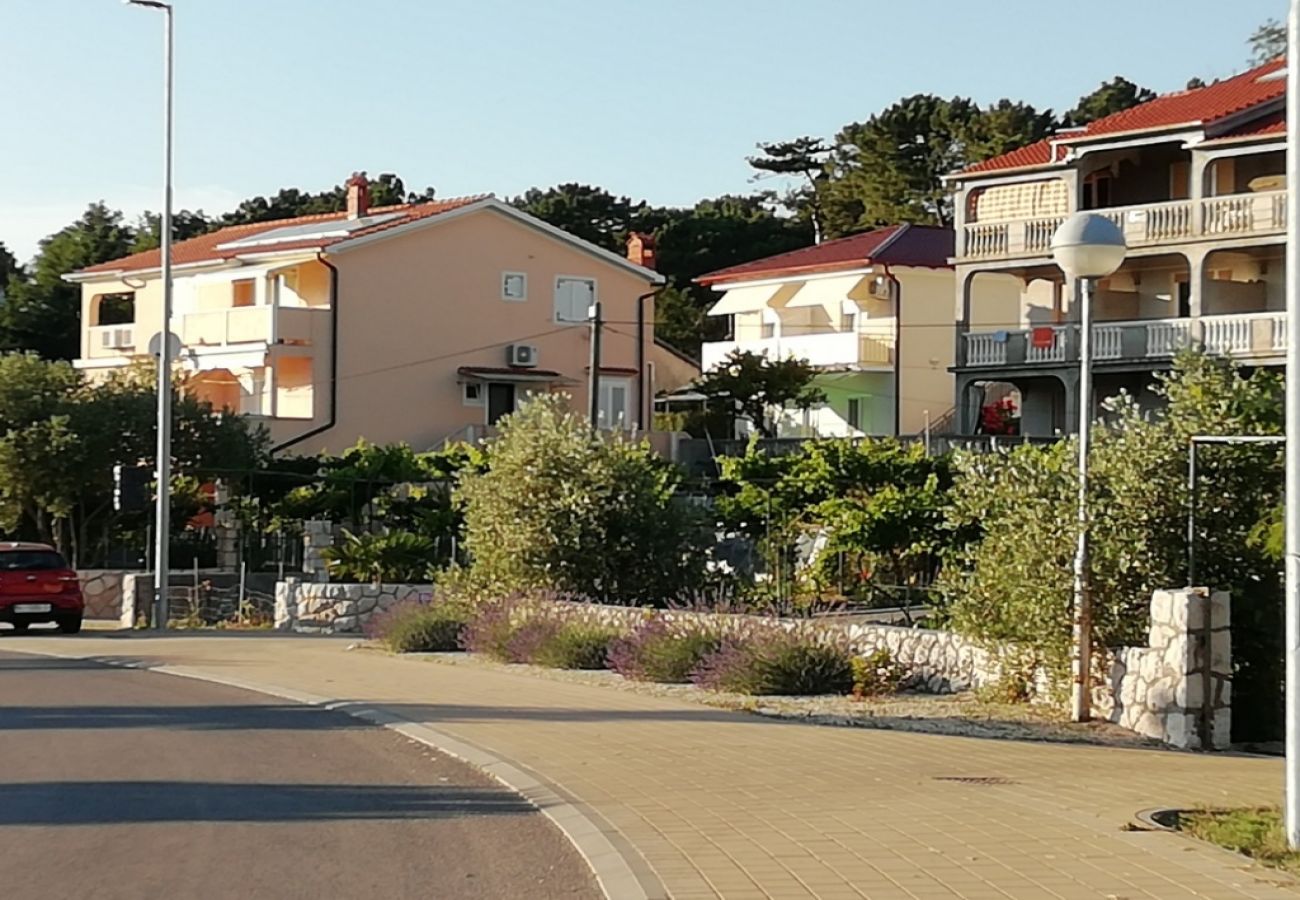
[{"x": 657, "y": 99}]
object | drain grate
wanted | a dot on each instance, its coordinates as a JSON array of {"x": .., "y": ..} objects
[{"x": 975, "y": 779}]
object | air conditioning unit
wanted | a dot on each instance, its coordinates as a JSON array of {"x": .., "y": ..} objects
[
  {"x": 521, "y": 356},
  {"x": 882, "y": 288}
]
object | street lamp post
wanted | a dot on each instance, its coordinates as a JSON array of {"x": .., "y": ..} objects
[
  {"x": 162, "y": 513},
  {"x": 1087, "y": 247}
]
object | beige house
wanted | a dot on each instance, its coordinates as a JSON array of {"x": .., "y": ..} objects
[
  {"x": 873, "y": 313},
  {"x": 420, "y": 323},
  {"x": 1196, "y": 180}
]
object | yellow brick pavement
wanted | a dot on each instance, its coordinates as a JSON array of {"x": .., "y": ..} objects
[{"x": 722, "y": 804}]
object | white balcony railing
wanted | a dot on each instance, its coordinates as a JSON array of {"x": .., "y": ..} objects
[
  {"x": 866, "y": 347},
  {"x": 1247, "y": 335},
  {"x": 111, "y": 340},
  {"x": 1145, "y": 225},
  {"x": 253, "y": 324}
]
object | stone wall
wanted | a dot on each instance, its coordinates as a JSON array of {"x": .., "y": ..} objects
[
  {"x": 317, "y": 608},
  {"x": 1157, "y": 690},
  {"x": 102, "y": 591}
]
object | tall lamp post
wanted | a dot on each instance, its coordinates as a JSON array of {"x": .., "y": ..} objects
[
  {"x": 1087, "y": 247},
  {"x": 162, "y": 513}
]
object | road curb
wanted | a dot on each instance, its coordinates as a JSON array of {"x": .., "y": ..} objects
[{"x": 619, "y": 869}]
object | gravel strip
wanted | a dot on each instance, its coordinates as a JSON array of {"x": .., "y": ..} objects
[{"x": 952, "y": 714}]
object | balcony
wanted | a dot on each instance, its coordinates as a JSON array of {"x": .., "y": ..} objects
[
  {"x": 1247, "y": 336},
  {"x": 863, "y": 349},
  {"x": 111, "y": 341},
  {"x": 254, "y": 325},
  {"x": 1148, "y": 225}
]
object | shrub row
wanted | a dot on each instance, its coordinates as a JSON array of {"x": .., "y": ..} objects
[{"x": 759, "y": 658}]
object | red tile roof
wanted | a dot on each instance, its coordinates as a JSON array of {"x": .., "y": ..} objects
[
  {"x": 205, "y": 248},
  {"x": 1268, "y": 126},
  {"x": 899, "y": 245},
  {"x": 1204, "y": 106}
]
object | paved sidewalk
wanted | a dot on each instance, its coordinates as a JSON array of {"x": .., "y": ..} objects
[{"x": 723, "y": 804}]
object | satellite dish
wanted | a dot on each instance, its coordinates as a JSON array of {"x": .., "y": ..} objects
[{"x": 173, "y": 345}]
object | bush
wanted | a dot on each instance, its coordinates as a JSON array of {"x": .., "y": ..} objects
[
  {"x": 797, "y": 661},
  {"x": 420, "y": 627},
  {"x": 544, "y": 631},
  {"x": 663, "y": 651},
  {"x": 492, "y": 627},
  {"x": 576, "y": 645},
  {"x": 396, "y": 557},
  {"x": 876, "y": 674},
  {"x": 558, "y": 510}
]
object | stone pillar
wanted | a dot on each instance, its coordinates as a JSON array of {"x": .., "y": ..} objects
[
  {"x": 316, "y": 537},
  {"x": 286, "y": 604},
  {"x": 227, "y": 531},
  {"x": 137, "y": 589},
  {"x": 1179, "y": 689}
]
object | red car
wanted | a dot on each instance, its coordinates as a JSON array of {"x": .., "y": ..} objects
[{"x": 37, "y": 585}]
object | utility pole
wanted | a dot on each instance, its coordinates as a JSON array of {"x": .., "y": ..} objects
[
  {"x": 1291, "y": 808},
  {"x": 593, "y": 379}
]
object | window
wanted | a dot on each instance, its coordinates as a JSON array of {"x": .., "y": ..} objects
[
  {"x": 855, "y": 413},
  {"x": 472, "y": 393},
  {"x": 573, "y": 299},
  {"x": 613, "y": 411},
  {"x": 245, "y": 292},
  {"x": 514, "y": 286},
  {"x": 769, "y": 326}
]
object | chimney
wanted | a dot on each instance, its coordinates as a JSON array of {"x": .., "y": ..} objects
[
  {"x": 641, "y": 249},
  {"x": 358, "y": 188}
]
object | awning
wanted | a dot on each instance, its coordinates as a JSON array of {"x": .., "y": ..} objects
[
  {"x": 745, "y": 300},
  {"x": 830, "y": 292},
  {"x": 513, "y": 374}
]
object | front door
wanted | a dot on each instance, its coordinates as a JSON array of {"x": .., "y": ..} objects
[{"x": 501, "y": 401}]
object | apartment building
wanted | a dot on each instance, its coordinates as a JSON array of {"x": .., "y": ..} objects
[
  {"x": 415, "y": 323},
  {"x": 1197, "y": 182}
]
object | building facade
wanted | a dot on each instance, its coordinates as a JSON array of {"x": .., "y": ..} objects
[
  {"x": 418, "y": 324},
  {"x": 1197, "y": 182},
  {"x": 872, "y": 312}
]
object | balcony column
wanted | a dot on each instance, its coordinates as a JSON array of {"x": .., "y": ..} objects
[
  {"x": 967, "y": 409},
  {"x": 961, "y": 315},
  {"x": 1198, "y": 282},
  {"x": 271, "y": 286},
  {"x": 1196, "y": 189},
  {"x": 1070, "y": 378}
]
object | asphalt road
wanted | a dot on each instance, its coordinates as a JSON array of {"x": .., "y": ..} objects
[{"x": 117, "y": 783}]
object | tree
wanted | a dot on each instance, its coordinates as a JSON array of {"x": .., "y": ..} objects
[
  {"x": 61, "y": 438},
  {"x": 591, "y": 213},
  {"x": 9, "y": 268},
  {"x": 1267, "y": 42},
  {"x": 804, "y": 157},
  {"x": 1009, "y": 579},
  {"x": 386, "y": 190},
  {"x": 1113, "y": 96},
  {"x": 594, "y": 517},
  {"x": 42, "y": 312},
  {"x": 888, "y": 170},
  {"x": 185, "y": 225},
  {"x": 759, "y": 386}
]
